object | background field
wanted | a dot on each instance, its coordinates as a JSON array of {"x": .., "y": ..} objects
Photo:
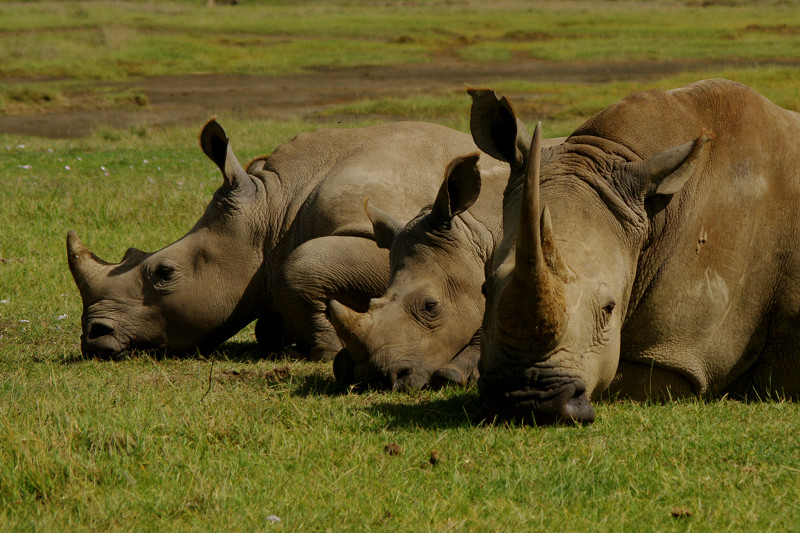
[{"x": 115, "y": 94}]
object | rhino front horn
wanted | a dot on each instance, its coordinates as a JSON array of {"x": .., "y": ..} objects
[
  {"x": 533, "y": 308},
  {"x": 83, "y": 264}
]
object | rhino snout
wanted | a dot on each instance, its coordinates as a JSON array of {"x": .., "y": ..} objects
[
  {"x": 407, "y": 377},
  {"x": 402, "y": 376},
  {"x": 101, "y": 339},
  {"x": 567, "y": 403},
  {"x": 344, "y": 367}
]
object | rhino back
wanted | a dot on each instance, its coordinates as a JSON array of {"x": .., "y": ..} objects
[
  {"x": 721, "y": 259},
  {"x": 326, "y": 175}
]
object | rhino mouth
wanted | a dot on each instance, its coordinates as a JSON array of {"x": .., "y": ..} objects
[
  {"x": 566, "y": 403},
  {"x": 402, "y": 376},
  {"x": 102, "y": 339}
]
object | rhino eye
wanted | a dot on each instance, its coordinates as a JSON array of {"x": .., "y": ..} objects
[
  {"x": 431, "y": 306},
  {"x": 162, "y": 274},
  {"x": 605, "y": 313}
]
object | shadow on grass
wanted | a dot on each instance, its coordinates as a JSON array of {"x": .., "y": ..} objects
[
  {"x": 320, "y": 383},
  {"x": 436, "y": 413},
  {"x": 231, "y": 351}
]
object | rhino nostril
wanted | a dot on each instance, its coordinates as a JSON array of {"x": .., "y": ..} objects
[
  {"x": 344, "y": 367},
  {"x": 99, "y": 329},
  {"x": 409, "y": 378},
  {"x": 397, "y": 379}
]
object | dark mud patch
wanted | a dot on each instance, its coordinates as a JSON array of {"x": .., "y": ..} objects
[{"x": 192, "y": 99}]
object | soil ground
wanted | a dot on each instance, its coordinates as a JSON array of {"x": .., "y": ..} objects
[{"x": 194, "y": 98}]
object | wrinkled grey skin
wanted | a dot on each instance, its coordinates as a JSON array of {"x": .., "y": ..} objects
[
  {"x": 425, "y": 329},
  {"x": 652, "y": 255},
  {"x": 275, "y": 244},
  {"x": 422, "y": 328}
]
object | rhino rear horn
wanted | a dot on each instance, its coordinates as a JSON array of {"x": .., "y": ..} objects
[
  {"x": 460, "y": 188},
  {"x": 216, "y": 146},
  {"x": 83, "y": 264},
  {"x": 496, "y": 129}
]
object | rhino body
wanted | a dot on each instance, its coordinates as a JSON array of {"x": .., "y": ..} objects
[
  {"x": 425, "y": 328},
  {"x": 654, "y": 254},
  {"x": 275, "y": 244}
]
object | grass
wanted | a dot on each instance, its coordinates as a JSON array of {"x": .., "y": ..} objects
[
  {"x": 195, "y": 445},
  {"x": 238, "y": 441},
  {"x": 105, "y": 40},
  {"x": 561, "y": 106}
]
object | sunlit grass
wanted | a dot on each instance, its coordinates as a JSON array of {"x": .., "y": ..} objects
[
  {"x": 107, "y": 40},
  {"x": 238, "y": 442}
]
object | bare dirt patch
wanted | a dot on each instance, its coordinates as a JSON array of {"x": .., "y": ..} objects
[{"x": 193, "y": 98}]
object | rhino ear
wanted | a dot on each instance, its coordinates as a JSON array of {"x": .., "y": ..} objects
[
  {"x": 496, "y": 129},
  {"x": 216, "y": 146},
  {"x": 134, "y": 255},
  {"x": 668, "y": 171},
  {"x": 460, "y": 189},
  {"x": 384, "y": 225}
]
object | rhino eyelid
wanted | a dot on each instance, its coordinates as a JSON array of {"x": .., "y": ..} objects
[
  {"x": 430, "y": 304},
  {"x": 164, "y": 271},
  {"x": 162, "y": 274},
  {"x": 426, "y": 310}
]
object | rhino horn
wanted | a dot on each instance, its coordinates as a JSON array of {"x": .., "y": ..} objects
[
  {"x": 533, "y": 306},
  {"x": 349, "y": 325},
  {"x": 84, "y": 265}
]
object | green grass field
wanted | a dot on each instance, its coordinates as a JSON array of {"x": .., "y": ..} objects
[{"x": 239, "y": 442}]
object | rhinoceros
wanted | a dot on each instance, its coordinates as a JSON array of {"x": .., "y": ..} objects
[
  {"x": 425, "y": 329},
  {"x": 276, "y": 242},
  {"x": 654, "y": 254}
]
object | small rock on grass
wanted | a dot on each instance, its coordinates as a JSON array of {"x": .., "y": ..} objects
[
  {"x": 680, "y": 512},
  {"x": 435, "y": 458},
  {"x": 392, "y": 449}
]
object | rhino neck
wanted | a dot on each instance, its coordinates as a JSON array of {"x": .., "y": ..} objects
[{"x": 274, "y": 225}]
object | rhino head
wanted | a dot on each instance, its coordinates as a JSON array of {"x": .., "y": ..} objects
[
  {"x": 574, "y": 224},
  {"x": 432, "y": 306},
  {"x": 196, "y": 292}
]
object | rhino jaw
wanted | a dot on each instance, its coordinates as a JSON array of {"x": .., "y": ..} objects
[{"x": 567, "y": 403}]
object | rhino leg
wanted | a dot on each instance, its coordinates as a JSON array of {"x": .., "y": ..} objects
[
  {"x": 269, "y": 332},
  {"x": 462, "y": 369},
  {"x": 351, "y": 270}
]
